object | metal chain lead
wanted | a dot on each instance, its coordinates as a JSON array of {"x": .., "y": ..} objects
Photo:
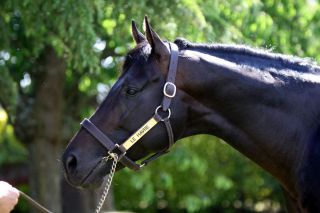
[{"x": 108, "y": 183}]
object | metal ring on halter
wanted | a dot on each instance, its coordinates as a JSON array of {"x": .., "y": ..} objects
[
  {"x": 162, "y": 119},
  {"x": 121, "y": 153},
  {"x": 107, "y": 158}
]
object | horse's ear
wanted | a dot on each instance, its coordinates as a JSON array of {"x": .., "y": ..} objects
[
  {"x": 157, "y": 45},
  {"x": 137, "y": 36}
]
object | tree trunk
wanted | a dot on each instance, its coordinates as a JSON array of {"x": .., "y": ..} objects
[
  {"x": 45, "y": 148},
  {"x": 39, "y": 126}
]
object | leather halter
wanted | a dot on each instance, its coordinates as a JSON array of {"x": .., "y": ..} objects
[{"x": 169, "y": 91}]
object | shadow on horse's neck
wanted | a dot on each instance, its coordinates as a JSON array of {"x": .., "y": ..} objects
[{"x": 253, "y": 111}]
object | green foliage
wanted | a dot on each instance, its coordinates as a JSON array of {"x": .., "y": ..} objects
[
  {"x": 290, "y": 27},
  {"x": 8, "y": 88},
  {"x": 11, "y": 150},
  {"x": 67, "y": 28},
  {"x": 199, "y": 173}
]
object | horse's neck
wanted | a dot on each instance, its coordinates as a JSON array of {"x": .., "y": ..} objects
[{"x": 243, "y": 107}]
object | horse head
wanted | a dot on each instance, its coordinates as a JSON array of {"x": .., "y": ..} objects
[{"x": 131, "y": 102}]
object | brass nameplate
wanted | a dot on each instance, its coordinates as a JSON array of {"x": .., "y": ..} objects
[{"x": 140, "y": 133}]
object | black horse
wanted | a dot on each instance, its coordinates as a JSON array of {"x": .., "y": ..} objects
[{"x": 265, "y": 105}]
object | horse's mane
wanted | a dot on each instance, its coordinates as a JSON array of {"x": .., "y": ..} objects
[
  {"x": 240, "y": 54},
  {"x": 237, "y": 53}
]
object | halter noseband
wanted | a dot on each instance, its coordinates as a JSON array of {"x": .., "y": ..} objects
[{"x": 169, "y": 91}]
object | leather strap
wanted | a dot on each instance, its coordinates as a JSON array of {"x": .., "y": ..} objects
[
  {"x": 153, "y": 157},
  {"x": 166, "y": 150},
  {"x": 98, "y": 134},
  {"x": 129, "y": 163},
  {"x": 169, "y": 89},
  {"x": 34, "y": 203},
  {"x": 108, "y": 144},
  {"x": 170, "y": 133}
]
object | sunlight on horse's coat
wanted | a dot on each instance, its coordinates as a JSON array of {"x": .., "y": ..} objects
[{"x": 265, "y": 105}]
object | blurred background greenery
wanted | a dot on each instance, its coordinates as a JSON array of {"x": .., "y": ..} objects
[{"x": 58, "y": 60}]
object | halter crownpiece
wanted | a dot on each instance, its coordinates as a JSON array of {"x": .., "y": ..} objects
[{"x": 169, "y": 92}]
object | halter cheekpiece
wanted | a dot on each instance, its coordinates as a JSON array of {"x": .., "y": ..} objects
[{"x": 169, "y": 92}]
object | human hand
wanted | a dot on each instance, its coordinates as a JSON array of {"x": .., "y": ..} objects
[{"x": 8, "y": 197}]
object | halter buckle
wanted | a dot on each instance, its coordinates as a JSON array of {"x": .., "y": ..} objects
[
  {"x": 121, "y": 152},
  {"x": 169, "y": 89}
]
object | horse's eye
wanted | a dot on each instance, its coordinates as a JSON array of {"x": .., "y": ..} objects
[{"x": 131, "y": 91}]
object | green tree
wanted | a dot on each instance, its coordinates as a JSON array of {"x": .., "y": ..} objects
[{"x": 43, "y": 55}]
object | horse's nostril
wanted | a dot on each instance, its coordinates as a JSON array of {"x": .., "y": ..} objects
[{"x": 71, "y": 163}]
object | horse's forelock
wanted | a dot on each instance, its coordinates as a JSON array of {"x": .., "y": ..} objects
[{"x": 141, "y": 51}]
